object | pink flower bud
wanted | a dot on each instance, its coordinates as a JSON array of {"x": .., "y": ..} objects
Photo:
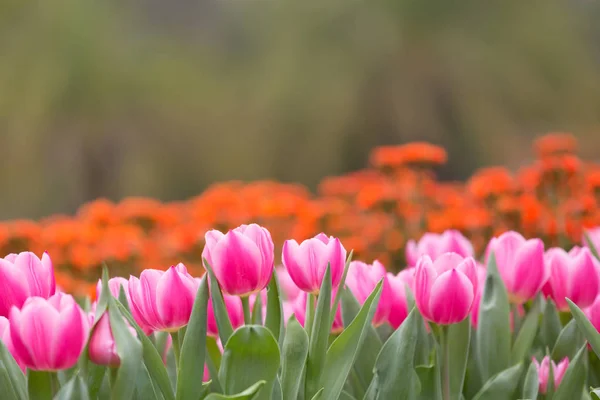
[
  {"x": 445, "y": 288},
  {"x": 234, "y": 310},
  {"x": 242, "y": 259},
  {"x": 399, "y": 306},
  {"x": 5, "y": 338},
  {"x": 49, "y": 334},
  {"x": 163, "y": 300},
  {"x": 24, "y": 275},
  {"x": 114, "y": 285},
  {"x": 558, "y": 372},
  {"x": 572, "y": 275},
  {"x": 520, "y": 264},
  {"x": 481, "y": 274},
  {"x": 299, "y": 309},
  {"x": 433, "y": 245},
  {"x": 307, "y": 262},
  {"x": 362, "y": 279},
  {"x": 102, "y": 347}
]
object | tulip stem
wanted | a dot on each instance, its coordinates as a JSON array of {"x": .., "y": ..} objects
[
  {"x": 42, "y": 385},
  {"x": 445, "y": 344},
  {"x": 515, "y": 318},
  {"x": 246, "y": 307},
  {"x": 176, "y": 347},
  {"x": 310, "y": 313},
  {"x": 112, "y": 376}
]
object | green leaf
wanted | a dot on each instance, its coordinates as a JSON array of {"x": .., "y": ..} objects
[
  {"x": 6, "y": 386},
  {"x": 584, "y": 324},
  {"x": 74, "y": 389},
  {"x": 144, "y": 388},
  {"x": 501, "y": 386},
  {"x": 459, "y": 338},
  {"x": 568, "y": 343},
  {"x": 221, "y": 317},
  {"x": 251, "y": 354},
  {"x": 274, "y": 319},
  {"x": 526, "y": 336},
  {"x": 123, "y": 298},
  {"x": 40, "y": 384},
  {"x": 532, "y": 383},
  {"x": 591, "y": 246},
  {"x": 193, "y": 349},
  {"x": 105, "y": 294},
  {"x": 493, "y": 334},
  {"x": 396, "y": 377},
  {"x": 295, "y": 351},
  {"x": 338, "y": 294},
  {"x": 257, "y": 317},
  {"x": 551, "y": 325},
  {"x": 429, "y": 377},
  {"x": 574, "y": 378},
  {"x": 248, "y": 394},
  {"x": 13, "y": 374},
  {"x": 343, "y": 351},
  {"x": 595, "y": 394},
  {"x": 319, "y": 337},
  {"x": 346, "y": 396},
  {"x": 95, "y": 377},
  {"x": 318, "y": 395}
]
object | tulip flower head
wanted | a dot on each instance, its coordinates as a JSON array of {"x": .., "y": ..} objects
[
  {"x": 307, "y": 262},
  {"x": 234, "y": 310},
  {"x": 398, "y": 285},
  {"x": 445, "y": 288},
  {"x": 25, "y": 275},
  {"x": 5, "y": 338},
  {"x": 558, "y": 371},
  {"x": 362, "y": 279},
  {"x": 49, "y": 334},
  {"x": 433, "y": 244},
  {"x": 114, "y": 285},
  {"x": 521, "y": 265},
  {"x": 481, "y": 275},
  {"x": 242, "y": 259},
  {"x": 102, "y": 347}
]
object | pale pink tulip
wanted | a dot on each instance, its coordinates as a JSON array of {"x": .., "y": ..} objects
[
  {"x": 49, "y": 334},
  {"x": 114, "y": 285},
  {"x": 558, "y": 372},
  {"x": 445, "y": 288},
  {"x": 286, "y": 284},
  {"x": 242, "y": 259},
  {"x": 481, "y": 275},
  {"x": 398, "y": 284},
  {"x": 24, "y": 275},
  {"x": 362, "y": 279},
  {"x": 5, "y": 338},
  {"x": 102, "y": 347},
  {"x": 434, "y": 244}
]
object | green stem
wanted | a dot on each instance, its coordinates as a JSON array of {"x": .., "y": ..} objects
[
  {"x": 161, "y": 342},
  {"x": 246, "y": 306},
  {"x": 516, "y": 319},
  {"x": 445, "y": 362},
  {"x": 42, "y": 385},
  {"x": 176, "y": 347},
  {"x": 310, "y": 313},
  {"x": 112, "y": 376}
]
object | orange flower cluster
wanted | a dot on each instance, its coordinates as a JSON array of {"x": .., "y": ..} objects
[{"x": 373, "y": 211}]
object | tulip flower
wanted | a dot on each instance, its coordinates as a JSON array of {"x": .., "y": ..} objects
[
  {"x": 520, "y": 264},
  {"x": 558, "y": 371},
  {"x": 49, "y": 334},
  {"x": 102, "y": 347},
  {"x": 299, "y": 309},
  {"x": 286, "y": 284},
  {"x": 307, "y": 262},
  {"x": 114, "y": 285},
  {"x": 24, "y": 275},
  {"x": 5, "y": 338},
  {"x": 572, "y": 275},
  {"x": 399, "y": 306},
  {"x": 242, "y": 259},
  {"x": 234, "y": 310},
  {"x": 433, "y": 244},
  {"x": 445, "y": 288},
  {"x": 362, "y": 279},
  {"x": 163, "y": 300}
]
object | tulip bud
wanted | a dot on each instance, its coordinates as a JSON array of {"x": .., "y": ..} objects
[
  {"x": 242, "y": 259},
  {"x": 362, "y": 279},
  {"x": 102, "y": 347},
  {"x": 433, "y": 245},
  {"x": 234, "y": 310},
  {"x": 307, "y": 262},
  {"x": 399, "y": 306},
  {"x": 558, "y": 372},
  {"x": 114, "y": 285},
  {"x": 5, "y": 338}
]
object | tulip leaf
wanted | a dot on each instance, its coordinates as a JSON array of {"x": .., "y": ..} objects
[
  {"x": 429, "y": 377},
  {"x": 346, "y": 396},
  {"x": 8, "y": 390},
  {"x": 95, "y": 377},
  {"x": 274, "y": 318},
  {"x": 595, "y": 394},
  {"x": 396, "y": 377},
  {"x": 257, "y": 317},
  {"x": 40, "y": 384},
  {"x": 318, "y": 395},
  {"x": 221, "y": 317},
  {"x": 568, "y": 343},
  {"x": 144, "y": 387},
  {"x": 74, "y": 389},
  {"x": 294, "y": 353},
  {"x": 532, "y": 383},
  {"x": 248, "y": 394},
  {"x": 501, "y": 386},
  {"x": 251, "y": 354},
  {"x": 493, "y": 333},
  {"x": 276, "y": 394},
  {"x": 344, "y": 350},
  {"x": 584, "y": 324},
  {"x": 193, "y": 349},
  {"x": 591, "y": 245},
  {"x": 574, "y": 377},
  {"x": 319, "y": 337},
  {"x": 526, "y": 336},
  {"x": 13, "y": 373},
  {"x": 338, "y": 294},
  {"x": 213, "y": 362},
  {"x": 105, "y": 294},
  {"x": 551, "y": 326},
  {"x": 459, "y": 338}
]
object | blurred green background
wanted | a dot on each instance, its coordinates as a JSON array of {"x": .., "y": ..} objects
[{"x": 162, "y": 98}]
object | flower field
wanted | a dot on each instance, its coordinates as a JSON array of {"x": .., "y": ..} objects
[{"x": 417, "y": 289}]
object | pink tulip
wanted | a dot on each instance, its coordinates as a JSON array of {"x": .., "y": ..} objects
[
  {"x": 163, "y": 300},
  {"x": 49, "y": 334},
  {"x": 433, "y": 244},
  {"x": 299, "y": 309},
  {"x": 398, "y": 284},
  {"x": 242, "y": 259},
  {"x": 286, "y": 284},
  {"x": 572, "y": 275},
  {"x": 102, "y": 347},
  {"x": 5, "y": 338},
  {"x": 520, "y": 264},
  {"x": 24, "y": 275},
  {"x": 445, "y": 288},
  {"x": 544, "y": 372},
  {"x": 362, "y": 279},
  {"x": 307, "y": 262},
  {"x": 114, "y": 285},
  {"x": 234, "y": 310}
]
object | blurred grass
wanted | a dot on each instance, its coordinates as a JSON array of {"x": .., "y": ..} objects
[{"x": 163, "y": 98}]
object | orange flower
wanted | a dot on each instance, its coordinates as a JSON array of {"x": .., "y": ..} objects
[
  {"x": 492, "y": 181},
  {"x": 555, "y": 143},
  {"x": 418, "y": 153}
]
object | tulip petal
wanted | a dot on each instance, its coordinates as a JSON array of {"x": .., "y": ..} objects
[
  {"x": 236, "y": 261},
  {"x": 292, "y": 255},
  {"x": 70, "y": 338},
  {"x": 174, "y": 299},
  {"x": 424, "y": 278},
  {"x": 38, "y": 331},
  {"x": 451, "y": 297},
  {"x": 14, "y": 290},
  {"x": 529, "y": 270}
]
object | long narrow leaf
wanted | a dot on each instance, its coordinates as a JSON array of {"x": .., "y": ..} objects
[
  {"x": 221, "y": 316},
  {"x": 274, "y": 318},
  {"x": 294, "y": 353}
]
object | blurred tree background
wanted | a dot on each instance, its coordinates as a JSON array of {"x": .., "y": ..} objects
[{"x": 162, "y": 98}]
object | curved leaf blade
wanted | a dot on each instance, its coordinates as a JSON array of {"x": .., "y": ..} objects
[{"x": 294, "y": 353}]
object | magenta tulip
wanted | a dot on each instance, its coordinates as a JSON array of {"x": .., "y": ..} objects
[
  {"x": 286, "y": 284},
  {"x": 520, "y": 264},
  {"x": 572, "y": 275},
  {"x": 558, "y": 371},
  {"x": 481, "y": 275},
  {"x": 114, "y": 285},
  {"x": 49, "y": 334},
  {"x": 399, "y": 306},
  {"x": 445, "y": 288},
  {"x": 163, "y": 300},
  {"x": 24, "y": 275},
  {"x": 102, "y": 347},
  {"x": 242, "y": 259},
  {"x": 433, "y": 245},
  {"x": 362, "y": 279},
  {"x": 234, "y": 310},
  {"x": 299, "y": 309},
  {"x": 307, "y": 262},
  {"x": 5, "y": 338}
]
